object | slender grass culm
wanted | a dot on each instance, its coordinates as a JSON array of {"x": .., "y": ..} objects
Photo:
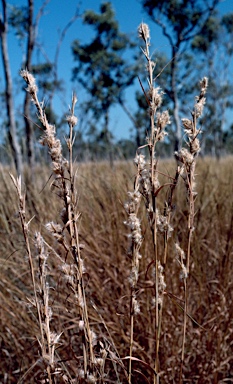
[
  {"x": 187, "y": 158},
  {"x": 147, "y": 186}
]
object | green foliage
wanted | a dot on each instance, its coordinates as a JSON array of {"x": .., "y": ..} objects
[
  {"x": 208, "y": 35},
  {"x": 43, "y": 68},
  {"x": 227, "y": 21},
  {"x": 183, "y": 17},
  {"x": 18, "y": 20},
  {"x": 102, "y": 70}
]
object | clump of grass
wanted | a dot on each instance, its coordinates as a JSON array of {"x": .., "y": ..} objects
[
  {"x": 147, "y": 188},
  {"x": 66, "y": 234}
]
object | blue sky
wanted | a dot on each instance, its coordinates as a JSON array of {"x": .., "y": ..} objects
[{"x": 56, "y": 15}]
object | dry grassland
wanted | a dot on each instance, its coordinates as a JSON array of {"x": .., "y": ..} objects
[{"x": 102, "y": 193}]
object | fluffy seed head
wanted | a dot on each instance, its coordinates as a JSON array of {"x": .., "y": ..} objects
[
  {"x": 204, "y": 84},
  {"x": 81, "y": 325},
  {"x": 136, "y": 306},
  {"x": 144, "y": 32},
  {"x": 72, "y": 120},
  {"x": 28, "y": 77},
  {"x": 187, "y": 123},
  {"x": 140, "y": 161},
  {"x": 199, "y": 107},
  {"x": 184, "y": 156}
]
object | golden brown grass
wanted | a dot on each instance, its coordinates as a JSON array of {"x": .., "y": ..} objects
[{"x": 102, "y": 193}]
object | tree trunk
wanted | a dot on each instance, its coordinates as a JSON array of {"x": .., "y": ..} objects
[
  {"x": 175, "y": 100},
  {"x": 108, "y": 138},
  {"x": 27, "y": 100},
  {"x": 12, "y": 135}
]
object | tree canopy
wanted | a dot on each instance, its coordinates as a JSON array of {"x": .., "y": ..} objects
[{"x": 102, "y": 69}]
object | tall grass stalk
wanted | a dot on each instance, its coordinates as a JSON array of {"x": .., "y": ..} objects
[
  {"x": 45, "y": 342},
  {"x": 187, "y": 158},
  {"x": 132, "y": 207}
]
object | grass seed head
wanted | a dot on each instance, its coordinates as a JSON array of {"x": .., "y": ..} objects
[{"x": 144, "y": 32}]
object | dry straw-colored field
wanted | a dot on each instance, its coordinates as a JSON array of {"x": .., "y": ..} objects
[
  {"x": 102, "y": 193},
  {"x": 118, "y": 274}
]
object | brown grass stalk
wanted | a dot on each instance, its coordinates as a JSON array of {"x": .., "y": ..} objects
[
  {"x": 188, "y": 160},
  {"x": 150, "y": 187},
  {"x": 46, "y": 345}
]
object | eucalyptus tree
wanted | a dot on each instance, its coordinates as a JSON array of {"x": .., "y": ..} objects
[{"x": 102, "y": 69}]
